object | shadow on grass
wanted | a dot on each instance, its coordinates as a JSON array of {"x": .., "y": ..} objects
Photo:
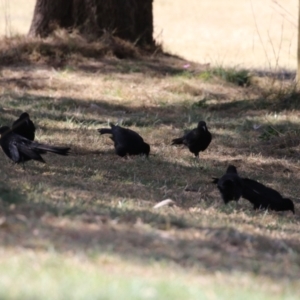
[
  {"x": 103, "y": 222},
  {"x": 279, "y": 74},
  {"x": 104, "y": 202},
  {"x": 98, "y": 112},
  {"x": 10, "y": 195},
  {"x": 73, "y": 54},
  {"x": 126, "y": 233},
  {"x": 207, "y": 248},
  {"x": 286, "y": 102},
  {"x": 265, "y": 138},
  {"x": 63, "y": 50}
]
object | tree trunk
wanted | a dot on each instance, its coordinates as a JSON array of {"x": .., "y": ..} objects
[{"x": 131, "y": 20}]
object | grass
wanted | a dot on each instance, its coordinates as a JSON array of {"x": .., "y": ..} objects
[
  {"x": 87, "y": 220},
  {"x": 84, "y": 227},
  {"x": 62, "y": 47},
  {"x": 232, "y": 75}
]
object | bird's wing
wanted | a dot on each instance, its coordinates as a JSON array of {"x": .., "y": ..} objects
[
  {"x": 27, "y": 148},
  {"x": 194, "y": 136},
  {"x": 24, "y": 149},
  {"x": 190, "y": 134},
  {"x": 262, "y": 189},
  {"x": 126, "y": 136},
  {"x": 12, "y": 151}
]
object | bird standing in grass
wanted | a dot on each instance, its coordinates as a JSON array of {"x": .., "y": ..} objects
[
  {"x": 20, "y": 149},
  {"x": 230, "y": 185},
  {"x": 196, "y": 140},
  {"x": 126, "y": 141},
  {"x": 24, "y": 126}
]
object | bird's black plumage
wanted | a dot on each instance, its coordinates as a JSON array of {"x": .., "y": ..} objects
[
  {"x": 20, "y": 149},
  {"x": 24, "y": 126},
  {"x": 196, "y": 140},
  {"x": 263, "y": 197},
  {"x": 126, "y": 141},
  {"x": 230, "y": 185}
]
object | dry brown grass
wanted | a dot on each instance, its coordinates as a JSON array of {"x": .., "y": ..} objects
[
  {"x": 96, "y": 202},
  {"x": 94, "y": 210},
  {"x": 63, "y": 48}
]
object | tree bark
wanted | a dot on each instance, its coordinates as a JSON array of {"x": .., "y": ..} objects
[{"x": 131, "y": 20}]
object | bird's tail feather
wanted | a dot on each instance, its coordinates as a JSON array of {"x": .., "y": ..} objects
[
  {"x": 104, "y": 130},
  {"x": 177, "y": 141},
  {"x": 46, "y": 148},
  {"x": 215, "y": 180}
]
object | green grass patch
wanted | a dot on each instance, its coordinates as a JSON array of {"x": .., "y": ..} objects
[{"x": 239, "y": 77}]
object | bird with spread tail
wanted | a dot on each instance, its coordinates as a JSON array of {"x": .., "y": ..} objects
[{"x": 20, "y": 149}]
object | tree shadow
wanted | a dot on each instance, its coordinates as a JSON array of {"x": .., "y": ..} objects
[
  {"x": 82, "y": 191},
  {"x": 127, "y": 234},
  {"x": 280, "y": 74},
  {"x": 231, "y": 108},
  {"x": 90, "y": 57},
  {"x": 266, "y": 139},
  {"x": 9, "y": 195},
  {"x": 97, "y": 112}
]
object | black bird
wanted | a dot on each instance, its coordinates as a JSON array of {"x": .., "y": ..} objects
[
  {"x": 126, "y": 141},
  {"x": 20, "y": 149},
  {"x": 230, "y": 185},
  {"x": 196, "y": 140},
  {"x": 24, "y": 127},
  {"x": 263, "y": 197}
]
